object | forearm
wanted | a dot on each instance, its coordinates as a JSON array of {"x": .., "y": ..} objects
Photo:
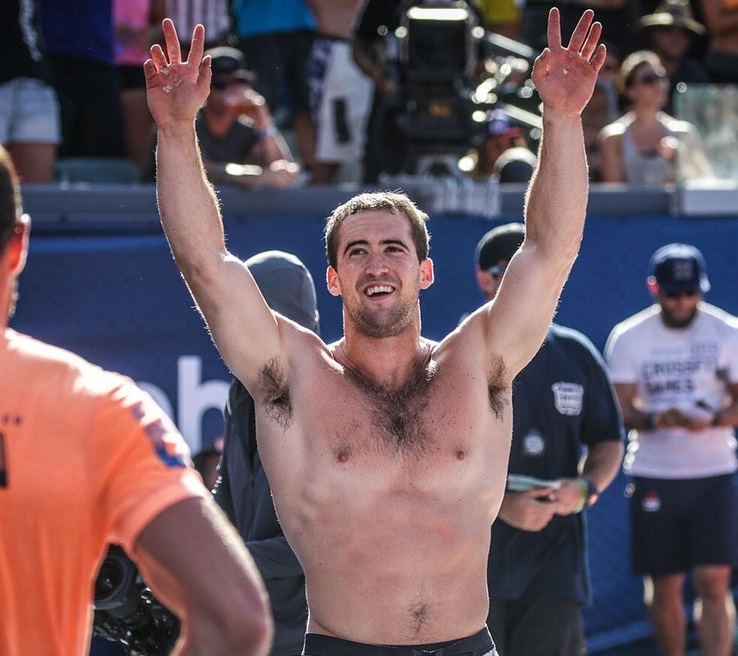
[
  {"x": 273, "y": 146},
  {"x": 602, "y": 463},
  {"x": 187, "y": 204},
  {"x": 556, "y": 203}
]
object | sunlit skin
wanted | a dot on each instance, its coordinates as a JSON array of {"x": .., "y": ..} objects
[
  {"x": 379, "y": 276},
  {"x": 386, "y": 452}
]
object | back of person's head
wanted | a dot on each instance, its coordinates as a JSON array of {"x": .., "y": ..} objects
[
  {"x": 229, "y": 63},
  {"x": 499, "y": 244},
  {"x": 287, "y": 286},
  {"x": 515, "y": 165},
  {"x": 10, "y": 198}
]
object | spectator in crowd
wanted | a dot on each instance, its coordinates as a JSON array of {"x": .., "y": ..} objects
[
  {"x": 563, "y": 402},
  {"x": 86, "y": 459},
  {"x": 394, "y": 446},
  {"x": 277, "y": 38},
  {"x": 80, "y": 52},
  {"x": 647, "y": 146},
  {"x": 206, "y": 462},
  {"x": 721, "y": 59},
  {"x": 671, "y": 32},
  {"x": 603, "y": 108},
  {"x": 214, "y": 15},
  {"x": 243, "y": 489},
  {"x": 504, "y": 155},
  {"x": 239, "y": 141},
  {"x": 137, "y": 28},
  {"x": 340, "y": 93},
  {"x": 675, "y": 370},
  {"x": 29, "y": 111}
]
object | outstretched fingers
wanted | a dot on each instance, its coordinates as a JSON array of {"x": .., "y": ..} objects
[
  {"x": 599, "y": 57},
  {"x": 554, "y": 28},
  {"x": 197, "y": 47},
  {"x": 593, "y": 38},
  {"x": 171, "y": 40},
  {"x": 158, "y": 57},
  {"x": 580, "y": 34}
]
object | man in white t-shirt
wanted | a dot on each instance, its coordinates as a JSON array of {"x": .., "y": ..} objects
[{"x": 675, "y": 370}]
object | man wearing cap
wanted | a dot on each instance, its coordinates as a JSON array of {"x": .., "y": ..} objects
[
  {"x": 239, "y": 141},
  {"x": 675, "y": 370},
  {"x": 672, "y": 33},
  {"x": 563, "y": 403},
  {"x": 504, "y": 155},
  {"x": 242, "y": 489}
]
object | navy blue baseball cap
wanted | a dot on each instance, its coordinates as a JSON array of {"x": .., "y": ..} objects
[
  {"x": 499, "y": 244},
  {"x": 679, "y": 268}
]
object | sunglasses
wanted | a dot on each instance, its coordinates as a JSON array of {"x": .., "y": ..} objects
[
  {"x": 691, "y": 293},
  {"x": 649, "y": 79}
]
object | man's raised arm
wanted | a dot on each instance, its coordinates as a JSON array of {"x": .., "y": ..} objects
[
  {"x": 557, "y": 196},
  {"x": 222, "y": 287}
]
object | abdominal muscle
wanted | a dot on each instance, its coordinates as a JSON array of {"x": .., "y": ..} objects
[{"x": 394, "y": 565}]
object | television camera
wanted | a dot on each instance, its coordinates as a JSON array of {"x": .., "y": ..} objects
[
  {"x": 449, "y": 74},
  {"x": 126, "y": 610}
]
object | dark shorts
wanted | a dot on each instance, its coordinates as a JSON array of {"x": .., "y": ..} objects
[
  {"x": 678, "y": 524},
  {"x": 280, "y": 61},
  {"x": 480, "y": 644},
  {"x": 537, "y": 624}
]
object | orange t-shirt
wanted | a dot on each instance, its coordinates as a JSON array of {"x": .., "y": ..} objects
[{"x": 86, "y": 459}]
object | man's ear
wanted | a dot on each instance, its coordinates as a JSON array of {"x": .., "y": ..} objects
[
  {"x": 331, "y": 279},
  {"x": 426, "y": 273},
  {"x": 18, "y": 246},
  {"x": 653, "y": 286}
]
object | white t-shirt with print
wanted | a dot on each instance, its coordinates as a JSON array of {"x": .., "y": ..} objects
[{"x": 687, "y": 368}]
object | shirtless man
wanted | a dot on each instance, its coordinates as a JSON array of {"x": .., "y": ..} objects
[{"x": 386, "y": 453}]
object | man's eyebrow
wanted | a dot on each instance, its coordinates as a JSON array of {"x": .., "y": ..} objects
[{"x": 365, "y": 242}]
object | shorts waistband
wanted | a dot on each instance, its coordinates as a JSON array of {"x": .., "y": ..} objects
[{"x": 478, "y": 644}]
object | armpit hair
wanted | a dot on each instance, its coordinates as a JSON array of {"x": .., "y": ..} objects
[
  {"x": 496, "y": 386},
  {"x": 277, "y": 402}
]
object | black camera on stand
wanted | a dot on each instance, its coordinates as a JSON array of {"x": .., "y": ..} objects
[
  {"x": 439, "y": 50},
  {"x": 126, "y": 610}
]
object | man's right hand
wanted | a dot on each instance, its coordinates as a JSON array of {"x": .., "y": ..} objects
[
  {"x": 175, "y": 90},
  {"x": 531, "y": 510}
]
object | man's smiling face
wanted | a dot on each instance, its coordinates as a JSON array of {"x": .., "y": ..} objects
[{"x": 378, "y": 274}]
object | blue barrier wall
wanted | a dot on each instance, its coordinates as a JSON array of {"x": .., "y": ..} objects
[{"x": 118, "y": 300}]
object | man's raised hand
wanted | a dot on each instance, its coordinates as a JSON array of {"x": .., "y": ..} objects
[
  {"x": 176, "y": 89},
  {"x": 565, "y": 76}
]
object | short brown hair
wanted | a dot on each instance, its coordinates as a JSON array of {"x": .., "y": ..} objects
[
  {"x": 10, "y": 198},
  {"x": 393, "y": 202}
]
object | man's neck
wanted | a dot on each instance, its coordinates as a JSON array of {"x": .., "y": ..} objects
[{"x": 387, "y": 361}]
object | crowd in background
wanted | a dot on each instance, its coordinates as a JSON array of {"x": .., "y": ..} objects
[{"x": 323, "y": 78}]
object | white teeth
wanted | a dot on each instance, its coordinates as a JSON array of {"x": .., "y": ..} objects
[{"x": 379, "y": 289}]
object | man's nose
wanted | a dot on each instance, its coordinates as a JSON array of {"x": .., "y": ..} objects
[{"x": 376, "y": 263}]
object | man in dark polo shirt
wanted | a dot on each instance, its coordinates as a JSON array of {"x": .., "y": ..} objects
[{"x": 563, "y": 405}]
